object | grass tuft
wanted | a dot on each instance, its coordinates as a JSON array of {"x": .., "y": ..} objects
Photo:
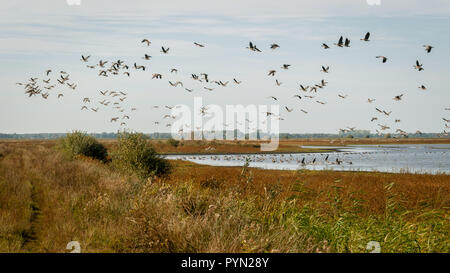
[
  {"x": 80, "y": 144},
  {"x": 134, "y": 154}
]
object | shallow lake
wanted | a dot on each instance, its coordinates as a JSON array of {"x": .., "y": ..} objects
[{"x": 420, "y": 158}]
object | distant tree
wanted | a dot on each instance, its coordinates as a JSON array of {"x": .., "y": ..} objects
[{"x": 173, "y": 142}]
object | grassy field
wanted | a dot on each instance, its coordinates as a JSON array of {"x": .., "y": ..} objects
[
  {"x": 237, "y": 147},
  {"x": 47, "y": 200},
  {"x": 285, "y": 146}
]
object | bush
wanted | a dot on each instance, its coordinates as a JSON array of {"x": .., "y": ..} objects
[
  {"x": 173, "y": 142},
  {"x": 80, "y": 144},
  {"x": 134, "y": 154}
]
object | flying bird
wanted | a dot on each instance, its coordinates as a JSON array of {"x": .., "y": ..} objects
[
  {"x": 398, "y": 98},
  {"x": 253, "y": 47},
  {"x": 224, "y": 84},
  {"x": 176, "y": 83},
  {"x": 146, "y": 41},
  {"x": 164, "y": 50},
  {"x": 366, "y": 38},
  {"x": 139, "y": 67},
  {"x": 102, "y": 63},
  {"x": 384, "y": 127},
  {"x": 347, "y": 42},
  {"x": 422, "y": 87},
  {"x": 418, "y": 66},
  {"x": 85, "y": 59},
  {"x": 383, "y": 58},
  {"x": 340, "y": 43},
  {"x": 305, "y": 89},
  {"x": 199, "y": 45},
  {"x": 428, "y": 48},
  {"x": 274, "y": 46}
]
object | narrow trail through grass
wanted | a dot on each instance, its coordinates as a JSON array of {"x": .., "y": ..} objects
[{"x": 30, "y": 235}]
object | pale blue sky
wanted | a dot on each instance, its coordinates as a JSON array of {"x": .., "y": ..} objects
[{"x": 40, "y": 35}]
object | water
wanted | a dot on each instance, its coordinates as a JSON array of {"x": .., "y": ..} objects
[{"x": 416, "y": 158}]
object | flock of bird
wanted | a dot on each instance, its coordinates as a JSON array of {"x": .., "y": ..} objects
[
  {"x": 115, "y": 99},
  {"x": 34, "y": 87},
  {"x": 380, "y": 157},
  {"x": 334, "y": 159}
]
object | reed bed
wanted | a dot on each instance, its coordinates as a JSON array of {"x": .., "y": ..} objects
[{"x": 48, "y": 200}]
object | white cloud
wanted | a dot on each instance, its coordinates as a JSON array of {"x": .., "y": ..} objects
[{"x": 251, "y": 8}]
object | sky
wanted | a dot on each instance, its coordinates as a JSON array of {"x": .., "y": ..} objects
[{"x": 51, "y": 34}]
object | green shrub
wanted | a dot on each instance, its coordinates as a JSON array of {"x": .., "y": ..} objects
[
  {"x": 79, "y": 143},
  {"x": 173, "y": 142},
  {"x": 134, "y": 154}
]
